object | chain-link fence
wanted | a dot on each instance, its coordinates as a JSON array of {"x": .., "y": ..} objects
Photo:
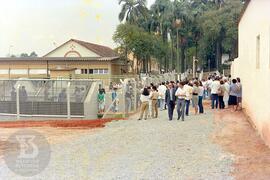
[
  {"x": 122, "y": 96},
  {"x": 44, "y": 98}
]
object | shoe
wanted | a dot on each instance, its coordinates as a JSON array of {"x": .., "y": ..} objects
[
  {"x": 145, "y": 118},
  {"x": 178, "y": 118},
  {"x": 139, "y": 119}
]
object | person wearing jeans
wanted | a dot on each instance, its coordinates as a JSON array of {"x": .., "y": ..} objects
[
  {"x": 215, "y": 86},
  {"x": 181, "y": 94},
  {"x": 201, "y": 93},
  {"x": 189, "y": 89},
  {"x": 162, "y": 90}
]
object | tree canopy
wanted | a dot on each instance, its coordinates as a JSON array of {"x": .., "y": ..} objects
[{"x": 175, "y": 31}]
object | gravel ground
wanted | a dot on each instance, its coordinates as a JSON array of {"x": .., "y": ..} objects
[{"x": 151, "y": 149}]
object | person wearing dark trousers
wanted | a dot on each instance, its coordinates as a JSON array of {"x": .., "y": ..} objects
[
  {"x": 181, "y": 94},
  {"x": 215, "y": 86},
  {"x": 201, "y": 94},
  {"x": 170, "y": 100},
  {"x": 221, "y": 95}
]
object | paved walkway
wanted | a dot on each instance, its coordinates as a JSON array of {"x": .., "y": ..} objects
[{"x": 151, "y": 149}]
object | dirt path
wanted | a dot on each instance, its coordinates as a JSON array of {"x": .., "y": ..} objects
[
  {"x": 131, "y": 149},
  {"x": 236, "y": 136}
]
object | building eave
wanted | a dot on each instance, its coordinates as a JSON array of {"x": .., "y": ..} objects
[
  {"x": 37, "y": 59},
  {"x": 247, "y": 2}
]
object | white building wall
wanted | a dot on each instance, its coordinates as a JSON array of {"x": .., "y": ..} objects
[
  {"x": 256, "y": 81},
  {"x": 72, "y": 46}
]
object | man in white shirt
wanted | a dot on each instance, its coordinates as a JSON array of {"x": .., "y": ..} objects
[
  {"x": 162, "y": 91},
  {"x": 208, "y": 86},
  {"x": 181, "y": 94},
  {"x": 215, "y": 86},
  {"x": 226, "y": 93},
  {"x": 188, "y": 89}
]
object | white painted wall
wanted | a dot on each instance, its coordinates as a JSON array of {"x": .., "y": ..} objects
[
  {"x": 72, "y": 46},
  {"x": 256, "y": 81}
]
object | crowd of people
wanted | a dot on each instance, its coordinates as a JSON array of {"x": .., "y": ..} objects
[{"x": 223, "y": 92}]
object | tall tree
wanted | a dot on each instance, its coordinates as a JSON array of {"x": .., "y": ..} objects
[{"x": 131, "y": 10}]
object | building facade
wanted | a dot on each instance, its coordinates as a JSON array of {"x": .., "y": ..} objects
[
  {"x": 253, "y": 64},
  {"x": 74, "y": 59}
]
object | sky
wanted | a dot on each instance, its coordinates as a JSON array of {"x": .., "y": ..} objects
[{"x": 41, "y": 25}]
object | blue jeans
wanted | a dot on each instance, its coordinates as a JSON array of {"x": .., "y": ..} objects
[
  {"x": 187, "y": 107},
  {"x": 214, "y": 98},
  {"x": 200, "y": 104}
]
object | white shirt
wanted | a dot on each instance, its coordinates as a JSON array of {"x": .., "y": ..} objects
[
  {"x": 180, "y": 93},
  {"x": 201, "y": 90},
  {"x": 189, "y": 91},
  {"x": 162, "y": 91},
  {"x": 214, "y": 87},
  {"x": 144, "y": 98},
  {"x": 204, "y": 83},
  {"x": 209, "y": 83},
  {"x": 227, "y": 89}
]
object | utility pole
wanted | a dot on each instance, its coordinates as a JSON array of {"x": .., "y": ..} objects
[
  {"x": 177, "y": 25},
  {"x": 177, "y": 51}
]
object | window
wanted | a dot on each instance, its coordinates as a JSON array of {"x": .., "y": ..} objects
[
  {"x": 94, "y": 71},
  {"x": 258, "y": 51},
  {"x": 100, "y": 71},
  {"x": 84, "y": 71},
  {"x": 91, "y": 71}
]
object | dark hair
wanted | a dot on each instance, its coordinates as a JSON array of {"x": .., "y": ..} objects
[
  {"x": 234, "y": 81},
  {"x": 238, "y": 79},
  {"x": 196, "y": 83},
  {"x": 221, "y": 82},
  {"x": 145, "y": 92},
  {"x": 163, "y": 83},
  {"x": 154, "y": 88},
  {"x": 182, "y": 83},
  {"x": 200, "y": 82}
]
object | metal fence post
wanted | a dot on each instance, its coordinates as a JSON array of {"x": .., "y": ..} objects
[
  {"x": 68, "y": 101},
  {"x": 124, "y": 97},
  {"x": 18, "y": 100},
  {"x": 135, "y": 96}
]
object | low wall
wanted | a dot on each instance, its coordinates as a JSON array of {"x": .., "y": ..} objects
[{"x": 41, "y": 108}]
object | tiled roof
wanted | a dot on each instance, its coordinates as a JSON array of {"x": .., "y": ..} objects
[
  {"x": 59, "y": 58},
  {"x": 103, "y": 51}
]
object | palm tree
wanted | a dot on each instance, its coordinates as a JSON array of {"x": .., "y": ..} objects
[{"x": 132, "y": 10}]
